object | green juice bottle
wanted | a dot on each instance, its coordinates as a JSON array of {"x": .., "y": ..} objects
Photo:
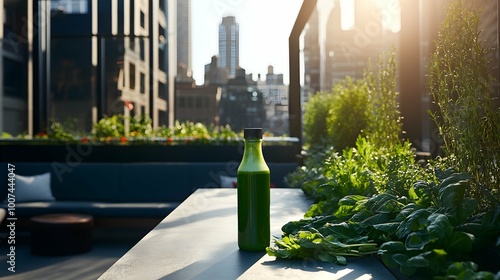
[{"x": 254, "y": 229}]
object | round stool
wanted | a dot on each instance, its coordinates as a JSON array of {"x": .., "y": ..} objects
[{"x": 61, "y": 234}]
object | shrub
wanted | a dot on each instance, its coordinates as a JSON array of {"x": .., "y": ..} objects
[
  {"x": 366, "y": 107},
  {"x": 316, "y": 112},
  {"x": 349, "y": 115}
]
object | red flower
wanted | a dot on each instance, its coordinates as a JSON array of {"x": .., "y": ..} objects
[
  {"x": 85, "y": 140},
  {"x": 170, "y": 140},
  {"x": 123, "y": 139}
]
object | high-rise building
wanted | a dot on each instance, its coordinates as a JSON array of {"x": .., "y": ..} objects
[
  {"x": 229, "y": 45},
  {"x": 184, "y": 71},
  {"x": 81, "y": 60}
]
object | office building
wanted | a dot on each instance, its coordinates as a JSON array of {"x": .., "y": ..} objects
[
  {"x": 85, "y": 59},
  {"x": 229, "y": 45}
]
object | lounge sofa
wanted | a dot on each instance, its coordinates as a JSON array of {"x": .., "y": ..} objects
[{"x": 125, "y": 190}]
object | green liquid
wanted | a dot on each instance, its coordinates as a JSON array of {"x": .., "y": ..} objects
[{"x": 254, "y": 231}]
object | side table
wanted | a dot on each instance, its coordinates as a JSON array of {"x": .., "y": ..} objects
[{"x": 61, "y": 234}]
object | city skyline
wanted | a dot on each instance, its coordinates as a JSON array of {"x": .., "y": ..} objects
[{"x": 263, "y": 42}]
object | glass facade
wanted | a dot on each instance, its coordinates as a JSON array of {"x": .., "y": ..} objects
[{"x": 88, "y": 59}]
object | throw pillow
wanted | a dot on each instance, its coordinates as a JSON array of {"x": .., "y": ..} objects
[
  {"x": 33, "y": 188},
  {"x": 228, "y": 182}
]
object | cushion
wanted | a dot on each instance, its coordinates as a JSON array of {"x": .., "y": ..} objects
[
  {"x": 228, "y": 182},
  {"x": 32, "y": 188}
]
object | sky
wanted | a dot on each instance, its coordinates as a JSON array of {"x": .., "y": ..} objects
[{"x": 264, "y": 25}]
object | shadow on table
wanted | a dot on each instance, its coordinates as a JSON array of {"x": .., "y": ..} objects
[
  {"x": 230, "y": 267},
  {"x": 357, "y": 268}
]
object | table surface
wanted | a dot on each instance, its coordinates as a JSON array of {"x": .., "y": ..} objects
[{"x": 198, "y": 240}]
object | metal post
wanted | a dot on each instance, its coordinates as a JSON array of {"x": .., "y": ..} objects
[
  {"x": 410, "y": 86},
  {"x": 294, "y": 106}
]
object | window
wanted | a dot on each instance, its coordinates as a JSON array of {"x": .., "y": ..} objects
[
  {"x": 131, "y": 75},
  {"x": 182, "y": 102},
  {"x": 141, "y": 49},
  {"x": 143, "y": 20},
  {"x": 70, "y": 6},
  {"x": 162, "y": 90},
  {"x": 199, "y": 102},
  {"x": 142, "y": 83}
]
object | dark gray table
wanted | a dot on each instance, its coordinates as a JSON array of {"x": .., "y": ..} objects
[{"x": 198, "y": 240}]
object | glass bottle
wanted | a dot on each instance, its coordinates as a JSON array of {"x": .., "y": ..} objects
[{"x": 254, "y": 229}]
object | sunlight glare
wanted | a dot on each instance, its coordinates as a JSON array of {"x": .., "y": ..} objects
[{"x": 347, "y": 16}]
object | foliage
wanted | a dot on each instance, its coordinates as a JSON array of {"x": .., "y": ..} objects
[
  {"x": 198, "y": 131},
  {"x": 114, "y": 127},
  {"x": 348, "y": 115},
  {"x": 111, "y": 130},
  {"x": 459, "y": 81},
  {"x": 421, "y": 219},
  {"x": 385, "y": 126},
  {"x": 6, "y": 135},
  {"x": 366, "y": 106},
  {"x": 316, "y": 111},
  {"x": 364, "y": 170},
  {"x": 60, "y": 133},
  {"x": 427, "y": 231}
]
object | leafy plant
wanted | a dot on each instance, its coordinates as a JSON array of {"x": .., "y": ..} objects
[
  {"x": 459, "y": 81},
  {"x": 364, "y": 170},
  {"x": 426, "y": 232}
]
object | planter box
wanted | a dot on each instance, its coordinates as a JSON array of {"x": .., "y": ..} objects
[{"x": 26, "y": 152}]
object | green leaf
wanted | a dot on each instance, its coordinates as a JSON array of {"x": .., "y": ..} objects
[
  {"x": 437, "y": 259},
  {"x": 451, "y": 195},
  {"x": 417, "y": 240},
  {"x": 393, "y": 246},
  {"x": 417, "y": 220},
  {"x": 460, "y": 242},
  {"x": 439, "y": 227},
  {"x": 341, "y": 231},
  {"x": 421, "y": 193},
  {"x": 453, "y": 179},
  {"x": 418, "y": 261},
  {"x": 374, "y": 220},
  {"x": 387, "y": 227},
  {"x": 400, "y": 259}
]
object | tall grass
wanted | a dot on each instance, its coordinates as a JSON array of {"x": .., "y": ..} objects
[{"x": 460, "y": 85}]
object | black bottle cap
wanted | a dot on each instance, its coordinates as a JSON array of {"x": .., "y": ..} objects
[{"x": 252, "y": 133}]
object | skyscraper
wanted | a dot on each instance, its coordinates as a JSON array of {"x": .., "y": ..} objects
[
  {"x": 184, "y": 40},
  {"x": 229, "y": 45}
]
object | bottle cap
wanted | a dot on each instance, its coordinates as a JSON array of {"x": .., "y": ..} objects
[{"x": 252, "y": 133}]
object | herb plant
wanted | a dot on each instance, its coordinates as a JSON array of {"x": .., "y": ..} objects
[{"x": 467, "y": 118}]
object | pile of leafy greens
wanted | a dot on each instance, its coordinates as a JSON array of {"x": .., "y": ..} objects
[{"x": 433, "y": 229}]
